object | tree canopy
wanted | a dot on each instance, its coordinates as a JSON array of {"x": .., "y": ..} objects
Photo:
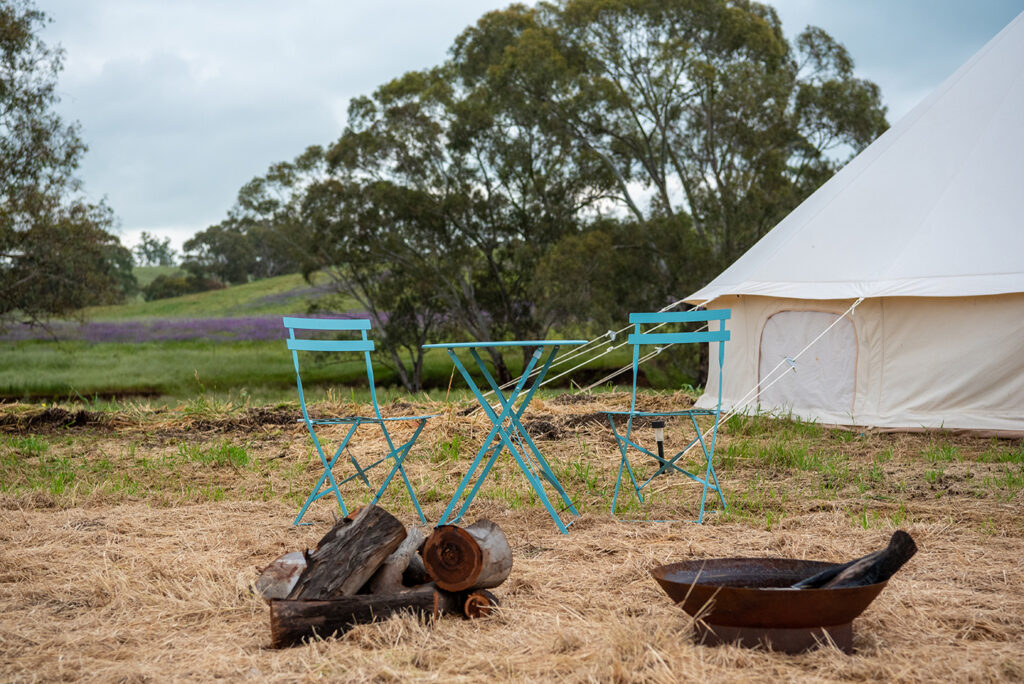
[
  {"x": 57, "y": 251},
  {"x": 570, "y": 162}
]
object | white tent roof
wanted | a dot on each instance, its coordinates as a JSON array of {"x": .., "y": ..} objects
[{"x": 933, "y": 208}]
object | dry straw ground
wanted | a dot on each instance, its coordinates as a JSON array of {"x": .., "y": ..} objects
[{"x": 128, "y": 542}]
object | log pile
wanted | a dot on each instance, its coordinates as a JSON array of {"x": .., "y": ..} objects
[{"x": 369, "y": 566}]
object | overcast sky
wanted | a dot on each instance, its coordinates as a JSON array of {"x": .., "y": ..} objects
[{"x": 181, "y": 102}]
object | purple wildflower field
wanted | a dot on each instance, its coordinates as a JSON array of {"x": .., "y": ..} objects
[{"x": 236, "y": 329}]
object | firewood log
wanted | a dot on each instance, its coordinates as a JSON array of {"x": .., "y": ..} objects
[
  {"x": 278, "y": 579},
  {"x": 388, "y": 578},
  {"x": 292, "y": 621},
  {"x": 474, "y": 557},
  {"x": 416, "y": 573},
  {"x": 348, "y": 555},
  {"x": 478, "y": 603}
]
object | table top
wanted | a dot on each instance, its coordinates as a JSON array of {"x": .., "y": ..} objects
[{"x": 511, "y": 343}]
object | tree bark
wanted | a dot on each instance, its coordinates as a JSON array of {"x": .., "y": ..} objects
[
  {"x": 474, "y": 557},
  {"x": 349, "y": 554}
]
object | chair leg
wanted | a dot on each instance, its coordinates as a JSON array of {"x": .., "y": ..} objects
[
  {"x": 709, "y": 475},
  {"x": 623, "y": 463},
  {"x": 360, "y": 472},
  {"x": 399, "y": 455},
  {"x": 327, "y": 475},
  {"x": 718, "y": 487}
]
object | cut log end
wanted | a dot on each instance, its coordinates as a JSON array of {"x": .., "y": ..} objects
[
  {"x": 479, "y": 604},
  {"x": 474, "y": 557},
  {"x": 453, "y": 558}
]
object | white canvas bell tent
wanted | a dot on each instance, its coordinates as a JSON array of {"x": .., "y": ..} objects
[{"x": 923, "y": 232}]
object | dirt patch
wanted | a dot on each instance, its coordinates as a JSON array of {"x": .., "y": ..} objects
[
  {"x": 543, "y": 428},
  {"x": 574, "y": 399},
  {"x": 49, "y": 419}
]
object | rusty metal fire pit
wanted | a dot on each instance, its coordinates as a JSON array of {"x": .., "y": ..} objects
[{"x": 747, "y": 601}]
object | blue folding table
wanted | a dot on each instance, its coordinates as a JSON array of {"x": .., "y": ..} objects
[{"x": 527, "y": 456}]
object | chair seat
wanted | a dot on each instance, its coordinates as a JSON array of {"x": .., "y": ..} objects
[{"x": 371, "y": 420}]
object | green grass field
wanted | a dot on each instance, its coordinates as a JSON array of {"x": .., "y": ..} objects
[
  {"x": 145, "y": 275},
  {"x": 283, "y": 294},
  {"x": 170, "y": 372}
]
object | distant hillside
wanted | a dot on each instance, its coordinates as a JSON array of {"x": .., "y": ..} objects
[
  {"x": 147, "y": 274},
  {"x": 280, "y": 295}
]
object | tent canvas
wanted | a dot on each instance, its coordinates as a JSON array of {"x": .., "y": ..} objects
[{"x": 924, "y": 231}]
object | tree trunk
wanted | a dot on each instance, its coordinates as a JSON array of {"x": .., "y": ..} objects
[
  {"x": 349, "y": 554},
  {"x": 474, "y": 557},
  {"x": 501, "y": 371}
]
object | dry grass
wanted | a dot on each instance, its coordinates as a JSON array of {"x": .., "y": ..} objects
[{"x": 138, "y": 566}]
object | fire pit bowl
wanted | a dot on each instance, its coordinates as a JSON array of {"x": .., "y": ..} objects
[{"x": 747, "y": 601}]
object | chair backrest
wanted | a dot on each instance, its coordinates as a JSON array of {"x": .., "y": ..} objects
[
  {"x": 305, "y": 325},
  {"x": 639, "y": 338}
]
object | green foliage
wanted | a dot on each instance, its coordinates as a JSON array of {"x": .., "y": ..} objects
[
  {"x": 222, "y": 251},
  {"x": 568, "y": 163},
  {"x": 144, "y": 275},
  {"x": 446, "y": 451},
  {"x": 263, "y": 236},
  {"x": 941, "y": 453},
  {"x": 151, "y": 251},
  {"x": 223, "y": 454},
  {"x": 177, "y": 285},
  {"x": 709, "y": 98},
  {"x": 57, "y": 251},
  {"x": 28, "y": 446},
  {"x": 1002, "y": 452}
]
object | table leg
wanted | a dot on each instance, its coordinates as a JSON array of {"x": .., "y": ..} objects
[
  {"x": 517, "y": 427},
  {"x": 487, "y": 442}
]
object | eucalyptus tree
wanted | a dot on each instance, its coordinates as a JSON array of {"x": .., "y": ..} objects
[
  {"x": 461, "y": 187},
  {"x": 57, "y": 252},
  {"x": 699, "y": 107},
  {"x": 263, "y": 234},
  {"x": 364, "y": 236}
]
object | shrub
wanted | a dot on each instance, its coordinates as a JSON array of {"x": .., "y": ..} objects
[{"x": 164, "y": 286}]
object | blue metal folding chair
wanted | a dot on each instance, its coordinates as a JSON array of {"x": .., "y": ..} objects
[
  {"x": 396, "y": 454},
  {"x": 627, "y": 441}
]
